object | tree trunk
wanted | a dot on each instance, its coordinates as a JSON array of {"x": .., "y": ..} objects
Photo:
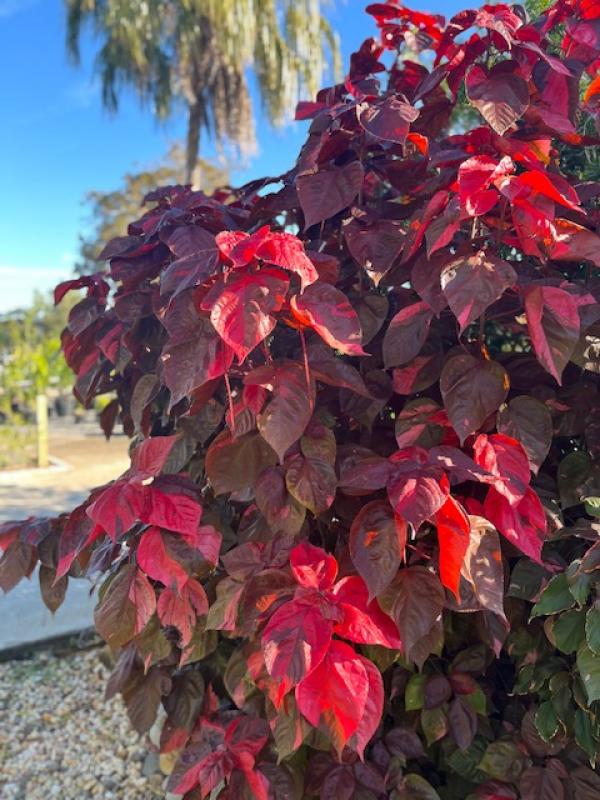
[{"x": 193, "y": 141}]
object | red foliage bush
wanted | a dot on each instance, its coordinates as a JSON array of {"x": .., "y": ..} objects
[{"x": 339, "y": 384}]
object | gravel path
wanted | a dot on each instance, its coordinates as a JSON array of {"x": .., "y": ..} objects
[{"x": 60, "y": 739}]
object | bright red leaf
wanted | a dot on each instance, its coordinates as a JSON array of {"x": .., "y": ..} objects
[
  {"x": 326, "y": 310},
  {"x": 453, "y": 528},
  {"x": 322, "y": 697}
]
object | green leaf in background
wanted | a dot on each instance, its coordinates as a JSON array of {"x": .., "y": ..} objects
[
  {"x": 477, "y": 700},
  {"x": 562, "y": 698},
  {"x": 415, "y": 693},
  {"x": 588, "y": 664},
  {"x": 592, "y": 506},
  {"x": 414, "y": 787},
  {"x": 572, "y": 473},
  {"x": 526, "y": 580},
  {"x": 466, "y": 762},
  {"x": 579, "y": 582},
  {"x": 584, "y": 735},
  {"x": 555, "y": 597},
  {"x": 434, "y": 723},
  {"x": 592, "y": 628},
  {"x": 502, "y": 761},
  {"x": 569, "y": 630},
  {"x": 546, "y": 721}
]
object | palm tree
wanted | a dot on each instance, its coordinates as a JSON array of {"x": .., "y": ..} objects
[{"x": 200, "y": 53}]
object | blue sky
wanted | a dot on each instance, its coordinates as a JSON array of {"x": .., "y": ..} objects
[{"x": 57, "y": 142}]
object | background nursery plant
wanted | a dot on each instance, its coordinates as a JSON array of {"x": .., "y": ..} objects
[{"x": 363, "y": 402}]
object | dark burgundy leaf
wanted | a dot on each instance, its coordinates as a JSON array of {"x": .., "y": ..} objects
[
  {"x": 406, "y": 334},
  {"x": 501, "y": 97},
  {"x": 377, "y": 544},
  {"x": 471, "y": 284},
  {"x": 472, "y": 389},
  {"x": 327, "y": 192},
  {"x": 389, "y": 119}
]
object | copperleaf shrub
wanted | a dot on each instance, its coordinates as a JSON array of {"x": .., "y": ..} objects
[{"x": 356, "y": 552}]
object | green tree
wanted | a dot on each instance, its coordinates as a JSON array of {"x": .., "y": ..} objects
[
  {"x": 199, "y": 53},
  {"x": 111, "y": 212},
  {"x": 31, "y": 360}
]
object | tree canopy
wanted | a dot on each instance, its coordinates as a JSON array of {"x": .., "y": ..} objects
[{"x": 199, "y": 54}]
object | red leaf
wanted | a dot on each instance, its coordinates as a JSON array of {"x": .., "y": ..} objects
[
  {"x": 377, "y": 543},
  {"x": 171, "y": 502},
  {"x": 287, "y": 251},
  {"x": 363, "y": 472},
  {"x": 199, "y": 765},
  {"x": 363, "y": 622},
  {"x": 228, "y": 241},
  {"x": 247, "y": 735},
  {"x": 79, "y": 532},
  {"x": 572, "y": 242},
  {"x": 553, "y": 324},
  {"x": 453, "y": 529},
  {"x": 542, "y": 183},
  {"x": 406, "y": 334},
  {"x": 475, "y": 176},
  {"x": 415, "y": 488},
  {"x": 507, "y": 460},
  {"x": 242, "y": 313},
  {"x": 473, "y": 283},
  {"x": 240, "y": 247},
  {"x": 155, "y": 560},
  {"x": 282, "y": 512},
  {"x": 118, "y": 507},
  {"x": 322, "y": 697},
  {"x": 180, "y": 610},
  {"x": 523, "y": 524},
  {"x": 295, "y": 641},
  {"x": 472, "y": 389},
  {"x": 326, "y": 310},
  {"x": 152, "y": 454},
  {"x": 373, "y": 709},
  {"x": 325, "y": 193},
  {"x": 313, "y": 567},
  {"x": 141, "y": 594}
]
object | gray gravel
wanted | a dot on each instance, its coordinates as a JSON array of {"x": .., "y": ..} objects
[{"x": 60, "y": 739}]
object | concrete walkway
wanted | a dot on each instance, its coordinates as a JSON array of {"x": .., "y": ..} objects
[{"x": 85, "y": 460}]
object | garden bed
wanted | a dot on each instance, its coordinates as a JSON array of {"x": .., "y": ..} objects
[{"x": 18, "y": 447}]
